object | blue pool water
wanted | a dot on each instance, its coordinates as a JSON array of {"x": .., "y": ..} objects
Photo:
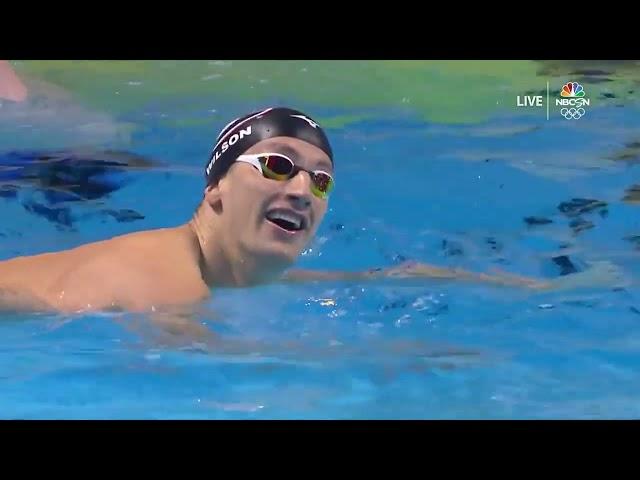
[{"x": 448, "y": 194}]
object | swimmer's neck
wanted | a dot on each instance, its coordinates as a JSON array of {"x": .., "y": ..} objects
[{"x": 218, "y": 266}]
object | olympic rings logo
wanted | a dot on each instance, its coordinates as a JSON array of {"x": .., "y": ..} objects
[{"x": 572, "y": 113}]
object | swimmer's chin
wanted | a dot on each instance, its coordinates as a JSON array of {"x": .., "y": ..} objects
[{"x": 265, "y": 262}]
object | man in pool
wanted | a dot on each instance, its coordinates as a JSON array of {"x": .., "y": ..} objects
[{"x": 268, "y": 182}]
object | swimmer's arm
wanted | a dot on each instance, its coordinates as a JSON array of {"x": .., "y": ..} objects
[
  {"x": 14, "y": 301},
  {"x": 421, "y": 270},
  {"x": 176, "y": 328},
  {"x": 600, "y": 274},
  {"x": 414, "y": 270},
  {"x": 11, "y": 87}
]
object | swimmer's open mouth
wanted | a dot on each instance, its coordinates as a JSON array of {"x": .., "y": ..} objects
[{"x": 287, "y": 220}]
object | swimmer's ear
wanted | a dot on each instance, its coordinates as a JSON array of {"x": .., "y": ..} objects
[{"x": 213, "y": 198}]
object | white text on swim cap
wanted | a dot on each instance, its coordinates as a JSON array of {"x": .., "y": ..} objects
[
  {"x": 225, "y": 146},
  {"x": 307, "y": 119}
]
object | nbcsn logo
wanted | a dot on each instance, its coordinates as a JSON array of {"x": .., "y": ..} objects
[{"x": 572, "y": 95}]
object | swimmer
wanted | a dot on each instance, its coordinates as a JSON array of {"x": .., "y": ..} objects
[
  {"x": 34, "y": 104},
  {"x": 11, "y": 87},
  {"x": 269, "y": 180}
]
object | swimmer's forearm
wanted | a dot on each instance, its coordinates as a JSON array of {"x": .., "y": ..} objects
[
  {"x": 420, "y": 270},
  {"x": 299, "y": 275},
  {"x": 413, "y": 270},
  {"x": 371, "y": 274}
]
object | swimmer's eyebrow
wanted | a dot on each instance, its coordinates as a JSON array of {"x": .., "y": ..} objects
[
  {"x": 295, "y": 155},
  {"x": 324, "y": 165},
  {"x": 285, "y": 149}
]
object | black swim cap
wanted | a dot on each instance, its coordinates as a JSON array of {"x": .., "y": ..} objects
[{"x": 242, "y": 133}]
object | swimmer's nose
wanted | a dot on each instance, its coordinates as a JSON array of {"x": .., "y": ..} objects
[{"x": 298, "y": 190}]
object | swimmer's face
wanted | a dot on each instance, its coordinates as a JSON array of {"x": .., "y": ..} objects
[{"x": 273, "y": 220}]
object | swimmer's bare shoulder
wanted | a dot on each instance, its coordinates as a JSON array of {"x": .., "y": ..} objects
[
  {"x": 140, "y": 272},
  {"x": 136, "y": 272},
  {"x": 23, "y": 281}
]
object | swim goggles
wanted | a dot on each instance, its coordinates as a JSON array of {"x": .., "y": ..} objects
[{"x": 277, "y": 166}]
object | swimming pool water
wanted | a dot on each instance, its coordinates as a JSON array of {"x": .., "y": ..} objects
[{"x": 453, "y": 194}]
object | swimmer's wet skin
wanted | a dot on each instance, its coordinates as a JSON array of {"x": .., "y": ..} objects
[
  {"x": 11, "y": 87},
  {"x": 268, "y": 183}
]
